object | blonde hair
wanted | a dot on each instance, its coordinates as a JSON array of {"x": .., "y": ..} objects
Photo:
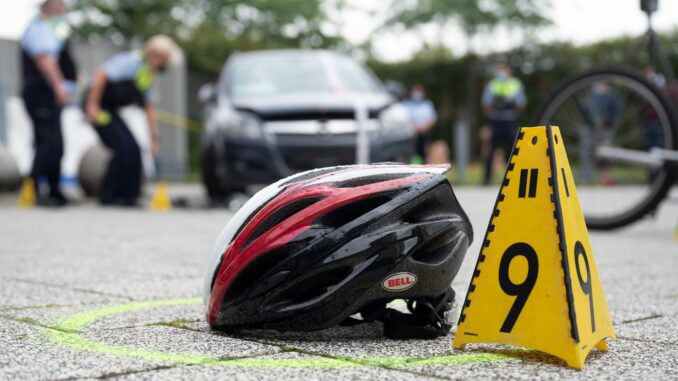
[{"x": 163, "y": 44}]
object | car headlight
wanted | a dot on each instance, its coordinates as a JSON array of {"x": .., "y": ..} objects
[
  {"x": 241, "y": 124},
  {"x": 394, "y": 119}
]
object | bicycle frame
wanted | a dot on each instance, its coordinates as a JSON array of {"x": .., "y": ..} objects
[{"x": 655, "y": 158}]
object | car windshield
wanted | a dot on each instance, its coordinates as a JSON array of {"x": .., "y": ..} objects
[{"x": 283, "y": 73}]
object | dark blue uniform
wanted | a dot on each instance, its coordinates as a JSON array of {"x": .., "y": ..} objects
[
  {"x": 45, "y": 36},
  {"x": 129, "y": 82}
]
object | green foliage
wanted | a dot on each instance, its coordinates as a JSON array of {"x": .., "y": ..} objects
[
  {"x": 126, "y": 18},
  {"x": 472, "y": 16},
  {"x": 455, "y": 84},
  {"x": 209, "y": 30}
]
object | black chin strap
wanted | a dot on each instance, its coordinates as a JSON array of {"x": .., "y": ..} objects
[{"x": 427, "y": 318}]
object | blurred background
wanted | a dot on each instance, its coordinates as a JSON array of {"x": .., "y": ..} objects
[{"x": 450, "y": 48}]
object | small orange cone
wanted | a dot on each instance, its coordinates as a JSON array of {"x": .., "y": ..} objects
[
  {"x": 161, "y": 202},
  {"x": 27, "y": 194}
]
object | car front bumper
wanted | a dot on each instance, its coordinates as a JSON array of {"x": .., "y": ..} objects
[{"x": 263, "y": 161}]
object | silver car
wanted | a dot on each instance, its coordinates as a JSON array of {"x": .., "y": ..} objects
[{"x": 274, "y": 113}]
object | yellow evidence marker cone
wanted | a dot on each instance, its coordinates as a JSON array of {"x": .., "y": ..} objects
[
  {"x": 27, "y": 194},
  {"x": 161, "y": 201},
  {"x": 536, "y": 283}
]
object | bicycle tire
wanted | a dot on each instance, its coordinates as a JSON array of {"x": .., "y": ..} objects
[{"x": 661, "y": 187}]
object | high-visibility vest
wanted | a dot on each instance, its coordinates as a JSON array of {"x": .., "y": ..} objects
[
  {"x": 131, "y": 91},
  {"x": 508, "y": 88}
]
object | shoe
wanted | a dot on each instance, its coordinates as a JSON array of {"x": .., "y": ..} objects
[
  {"x": 59, "y": 197},
  {"x": 127, "y": 203},
  {"x": 51, "y": 202}
]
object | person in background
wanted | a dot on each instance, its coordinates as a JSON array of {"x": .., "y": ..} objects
[
  {"x": 127, "y": 79},
  {"x": 503, "y": 99},
  {"x": 49, "y": 74},
  {"x": 603, "y": 110},
  {"x": 423, "y": 117}
]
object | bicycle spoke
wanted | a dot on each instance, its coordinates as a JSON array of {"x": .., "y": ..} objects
[{"x": 618, "y": 110}]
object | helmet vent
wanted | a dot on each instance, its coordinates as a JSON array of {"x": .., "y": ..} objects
[
  {"x": 251, "y": 215},
  {"x": 279, "y": 216},
  {"x": 433, "y": 207},
  {"x": 437, "y": 250},
  {"x": 258, "y": 268},
  {"x": 311, "y": 288},
  {"x": 360, "y": 181},
  {"x": 350, "y": 212},
  {"x": 309, "y": 175}
]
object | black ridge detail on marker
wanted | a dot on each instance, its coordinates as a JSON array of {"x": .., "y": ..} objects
[
  {"x": 523, "y": 183},
  {"x": 560, "y": 228},
  {"x": 495, "y": 213},
  {"x": 567, "y": 189},
  {"x": 534, "y": 175}
]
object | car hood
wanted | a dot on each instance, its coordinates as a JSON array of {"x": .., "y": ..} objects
[{"x": 312, "y": 105}]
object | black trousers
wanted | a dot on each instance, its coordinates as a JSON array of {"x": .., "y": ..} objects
[
  {"x": 122, "y": 183},
  {"x": 503, "y": 136},
  {"x": 49, "y": 147},
  {"x": 421, "y": 142}
]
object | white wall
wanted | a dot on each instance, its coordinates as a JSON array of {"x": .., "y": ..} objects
[{"x": 78, "y": 134}]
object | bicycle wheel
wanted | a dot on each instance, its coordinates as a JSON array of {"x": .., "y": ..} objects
[{"x": 617, "y": 107}]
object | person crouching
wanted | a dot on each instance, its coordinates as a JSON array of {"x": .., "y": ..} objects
[{"x": 127, "y": 79}]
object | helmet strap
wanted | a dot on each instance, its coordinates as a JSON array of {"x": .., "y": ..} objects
[{"x": 427, "y": 318}]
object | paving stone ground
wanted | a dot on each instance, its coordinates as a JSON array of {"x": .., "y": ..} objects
[{"x": 91, "y": 293}]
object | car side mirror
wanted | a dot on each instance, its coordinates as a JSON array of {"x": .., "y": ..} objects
[{"x": 207, "y": 92}]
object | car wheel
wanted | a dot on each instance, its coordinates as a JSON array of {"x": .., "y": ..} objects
[
  {"x": 209, "y": 176},
  {"x": 216, "y": 185}
]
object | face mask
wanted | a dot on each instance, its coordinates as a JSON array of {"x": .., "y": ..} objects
[
  {"x": 502, "y": 75},
  {"x": 417, "y": 95},
  {"x": 60, "y": 27}
]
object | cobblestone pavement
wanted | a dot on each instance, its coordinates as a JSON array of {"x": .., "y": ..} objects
[{"x": 91, "y": 293}]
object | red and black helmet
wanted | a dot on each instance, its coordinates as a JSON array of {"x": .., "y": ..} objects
[{"x": 309, "y": 251}]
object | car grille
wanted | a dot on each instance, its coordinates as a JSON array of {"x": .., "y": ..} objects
[{"x": 304, "y": 158}]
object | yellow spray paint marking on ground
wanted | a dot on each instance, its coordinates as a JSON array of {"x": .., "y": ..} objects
[
  {"x": 536, "y": 283},
  {"x": 68, "y": 332}
]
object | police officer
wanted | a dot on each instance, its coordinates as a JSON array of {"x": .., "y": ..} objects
[
  {"x": 503, "y": 99},
  {"x": 49, "y": 75},
  {"x": 423, "y": 117},
  {"x": 126, "y": 79}
]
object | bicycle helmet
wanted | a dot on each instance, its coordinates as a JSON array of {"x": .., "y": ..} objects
[{"x": 310, "y": 250}]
